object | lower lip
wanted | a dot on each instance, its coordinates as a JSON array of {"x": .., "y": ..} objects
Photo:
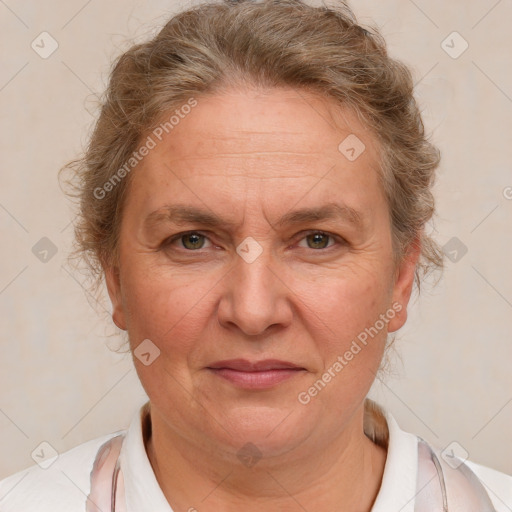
[{"x": 256, "y": 380}]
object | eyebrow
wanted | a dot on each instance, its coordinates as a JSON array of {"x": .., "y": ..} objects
[{"x": 183, "y": 214}]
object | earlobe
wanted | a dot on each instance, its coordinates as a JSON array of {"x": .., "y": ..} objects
[
  {"x": 113, "y": 282},
  {"x": 404, "y": 281}
]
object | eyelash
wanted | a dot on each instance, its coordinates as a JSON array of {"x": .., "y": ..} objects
[{"x": 337, "y": 239}]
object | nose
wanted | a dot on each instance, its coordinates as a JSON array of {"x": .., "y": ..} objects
[{"x": 255, "y": 297}]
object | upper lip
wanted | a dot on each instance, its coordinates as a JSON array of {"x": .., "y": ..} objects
[{"x": 255, "y": 366}]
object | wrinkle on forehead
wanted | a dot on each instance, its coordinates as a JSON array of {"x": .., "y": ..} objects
[{"x": 221, "y": 125}]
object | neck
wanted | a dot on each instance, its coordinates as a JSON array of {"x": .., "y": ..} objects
[{"x": 344, "y": 475}]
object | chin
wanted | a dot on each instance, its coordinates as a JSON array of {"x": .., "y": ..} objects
[{"x": 273, "y": 431}]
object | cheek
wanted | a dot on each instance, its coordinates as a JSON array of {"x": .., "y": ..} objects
[
  {"x": 344, "y": 303},
  {"x": 352, "y": 318},
  {"x": 161, "y": 306}
]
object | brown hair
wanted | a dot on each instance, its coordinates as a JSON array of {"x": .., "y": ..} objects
[{"x": 269, "y": 43}]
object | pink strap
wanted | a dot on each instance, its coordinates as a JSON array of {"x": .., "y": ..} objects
[
  {"x": 107, "y": 483},
  {"x": 442, "y": 487}
]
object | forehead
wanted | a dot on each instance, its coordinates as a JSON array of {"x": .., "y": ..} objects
[
  {"x": 285, "y": 124},
  {"x": 270, "y": 143}
]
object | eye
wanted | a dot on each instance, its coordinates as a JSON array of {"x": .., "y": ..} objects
[
  {"x": 192, "y": 240},
  {"x": 317, "y": 239}
]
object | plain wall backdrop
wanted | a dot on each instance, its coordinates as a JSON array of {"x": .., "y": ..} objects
[{"x": 61, "y": 380}]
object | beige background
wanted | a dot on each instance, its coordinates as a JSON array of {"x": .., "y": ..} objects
[{"x": 60, "y": 380}]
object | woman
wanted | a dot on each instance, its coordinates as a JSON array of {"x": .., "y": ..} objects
[{"x": 255, "y": 194}]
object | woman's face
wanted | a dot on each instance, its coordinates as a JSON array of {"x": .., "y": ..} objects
[{"x": 264, "y": 282}]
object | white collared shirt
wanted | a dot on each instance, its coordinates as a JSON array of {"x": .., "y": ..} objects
[{"x": 65, "y": 485}]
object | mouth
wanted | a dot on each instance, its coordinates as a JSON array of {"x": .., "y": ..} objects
[{"x": 257, "y": 374}]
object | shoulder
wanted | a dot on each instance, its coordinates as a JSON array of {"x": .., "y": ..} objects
[
  {"x": 498, "y": 485},
  {"x": 61, "y": 487},
  {"x": 467, "y": 486},
  {"x": 470, "y": 482}
]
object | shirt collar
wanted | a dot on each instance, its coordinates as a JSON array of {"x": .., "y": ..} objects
[
  {"x": 398, "y": 487},
  {"x": 142, "y": 491}
]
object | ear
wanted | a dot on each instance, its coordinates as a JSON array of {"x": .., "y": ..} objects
[
  {"x": 404, "y": 281},
  {"x": 113, "y": 282}
]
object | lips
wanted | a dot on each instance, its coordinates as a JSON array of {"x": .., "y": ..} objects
[
  {"x": 243, "y": 365},
  {"x": 255, "y": 375}
]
